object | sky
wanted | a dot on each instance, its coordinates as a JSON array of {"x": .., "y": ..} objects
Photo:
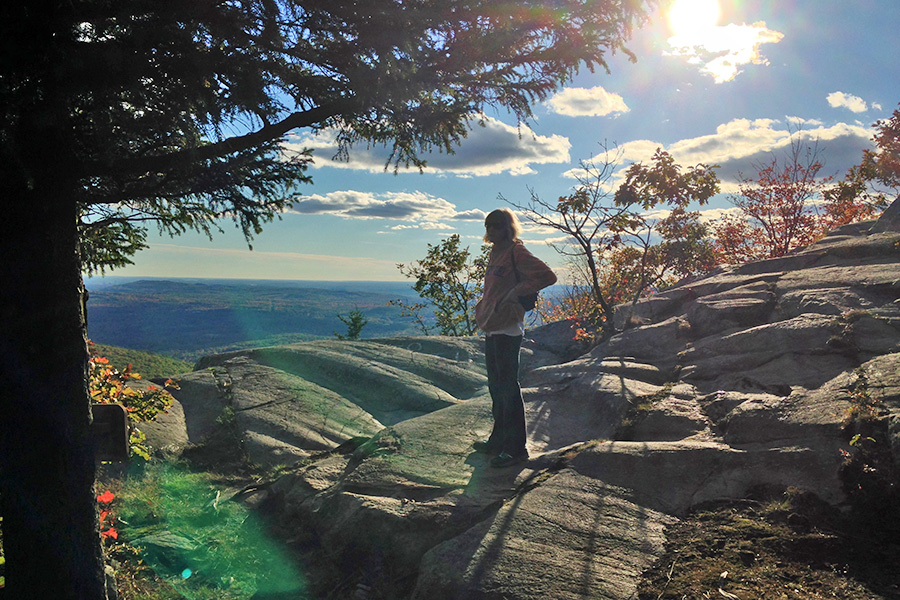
[{"x": 724, "y": 82}]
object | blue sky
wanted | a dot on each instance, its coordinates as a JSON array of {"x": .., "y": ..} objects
[{"x": 722, "y": 87}]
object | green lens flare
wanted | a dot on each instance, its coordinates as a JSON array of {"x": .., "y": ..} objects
[{"x": 202, "y": 544}]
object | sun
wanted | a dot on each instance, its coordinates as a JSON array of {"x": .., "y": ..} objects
[{"x": 688, "y": 17}]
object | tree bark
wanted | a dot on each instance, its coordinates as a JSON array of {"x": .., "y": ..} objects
[{"x": 47, "y": 499}]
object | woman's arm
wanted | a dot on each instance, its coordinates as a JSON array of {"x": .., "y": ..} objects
[{"x": 534, "y": 274}]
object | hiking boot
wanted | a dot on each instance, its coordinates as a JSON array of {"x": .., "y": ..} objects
[
  {"x": 505, "y": 459},
  {"x": 484, "y": 447}
]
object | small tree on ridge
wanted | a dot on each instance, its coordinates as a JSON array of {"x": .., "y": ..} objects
[
  {"x": 451, "y": 282},
  {"x": 601, "y": 224}
]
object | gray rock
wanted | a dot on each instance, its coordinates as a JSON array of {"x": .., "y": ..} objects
[
  {"x": 168, "y": 431},
  {"x": 889, "y": 219},
  {"x": 652, "y": 343},
  {"x": 625, "y": 367},
  {"x": 823, "y": 301},
  {"x": 721, "y": 384},
  {"x": 391, "y": 389},
  {"x": 557, "y": 339},
  {"x": 572, "y": 537},
  {"x": 768, "y": 357},
  {"x": 672, "y": 477},
  {"x": 166, "y": 548},
  {"x": 203, "y": 400},
  {"x": 676, "y": 417},
  {"x": 585, "y": 409},
  {"x": 744, "y": 306},
  {"x": 883, "y": 383},
  {"x": 284, "y": 418}
]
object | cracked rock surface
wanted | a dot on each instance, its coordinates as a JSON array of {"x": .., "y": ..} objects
[{"x": 734, "y": 381}]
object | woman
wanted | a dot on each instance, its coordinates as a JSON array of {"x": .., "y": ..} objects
[{"x": 512, "y": 271}]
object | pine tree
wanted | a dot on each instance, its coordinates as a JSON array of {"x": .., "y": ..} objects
[
  {"x": 355, "y": 322},
  {"x": 119, "y": 115}
]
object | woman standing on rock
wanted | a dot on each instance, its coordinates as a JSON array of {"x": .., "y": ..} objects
[{"x": 512, "y": 271}]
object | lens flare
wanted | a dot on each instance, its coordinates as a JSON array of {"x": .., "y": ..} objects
[{"x": 687, "y": 17}]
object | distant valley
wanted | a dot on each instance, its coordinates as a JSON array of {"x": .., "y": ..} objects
[{"x": 187, "y": 319}]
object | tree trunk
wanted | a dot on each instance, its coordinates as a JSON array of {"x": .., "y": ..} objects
[
  {"x": 608, "y": 312},
  {"x": 47, "y": 499}
]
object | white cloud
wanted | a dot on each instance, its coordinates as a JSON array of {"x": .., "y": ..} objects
[
  {"x": 639, "y": 150},
  {"x": 584, "y": 102},
  {"x": 848, "y": 101},
  {"x": 476, "y": 214},
  {"x": 532, "y": 230},
  {"x": 422, "y": 225},
  {"x": 489, "y": 150},
  {"x": 414, "y": 210},
  {"x": 741, "y": 145},
  {"x": 802, "y": 122},
  {"x": 734, "y": 140},
  {"x": 559, "y": 240},
  {"x": 402, "y": 206},
  {"x": 722, "y": 50}
]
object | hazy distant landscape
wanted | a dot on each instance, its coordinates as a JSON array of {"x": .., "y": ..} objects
[{"x": 189, "y": 318}]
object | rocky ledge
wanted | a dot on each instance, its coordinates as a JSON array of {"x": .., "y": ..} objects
[{"x": 748, "y": 377}]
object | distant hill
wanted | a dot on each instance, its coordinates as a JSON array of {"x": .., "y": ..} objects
[{"x": 187, "y": 319}]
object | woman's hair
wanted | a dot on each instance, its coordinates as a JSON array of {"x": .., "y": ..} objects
[{"x": 506, "y": 216}]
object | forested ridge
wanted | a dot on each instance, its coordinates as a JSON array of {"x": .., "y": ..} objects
[{"x": 187, "y": 320}]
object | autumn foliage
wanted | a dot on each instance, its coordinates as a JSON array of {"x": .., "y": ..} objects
[
  {"x": 109, "y": 385},
  {"x": 777, "y": 212},
  {"x": 788, "y": 205},
  {"x": 886, "y": 160},
  {"x": 108, "y": 530}
]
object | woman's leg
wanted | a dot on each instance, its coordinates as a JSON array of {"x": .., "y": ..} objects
[
  {"x": 508, "y": 395},
  {"x": 495, "y": 441}
]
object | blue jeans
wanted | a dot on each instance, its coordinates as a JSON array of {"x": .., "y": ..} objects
[{"x": 501, "y": 356}]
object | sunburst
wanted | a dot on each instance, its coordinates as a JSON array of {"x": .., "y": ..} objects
[{"x": 688, "y": 18}]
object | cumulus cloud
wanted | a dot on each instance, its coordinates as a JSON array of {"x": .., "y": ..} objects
[
  {"x": 848, "y": 101},
  {"x": 584, "y": 102},
  {"x": 741, "y": 145},
  {"x": 489, "y": 150},
  {"x": 801, "y": 122},
  {"x": 476, "y": 214},
  {"x": 422, "y": 225},
  {"x": 351, "y": 204},
  {"x": 721, "y": 51}
]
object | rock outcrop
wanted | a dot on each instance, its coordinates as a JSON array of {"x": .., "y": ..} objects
[{"x": 713, "y": 387}]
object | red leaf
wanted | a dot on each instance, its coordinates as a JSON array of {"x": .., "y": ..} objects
[{"x": 106, "y": 497}]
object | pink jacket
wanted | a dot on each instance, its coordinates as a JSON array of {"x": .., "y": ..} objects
[{"x": 499, "y": 279}]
